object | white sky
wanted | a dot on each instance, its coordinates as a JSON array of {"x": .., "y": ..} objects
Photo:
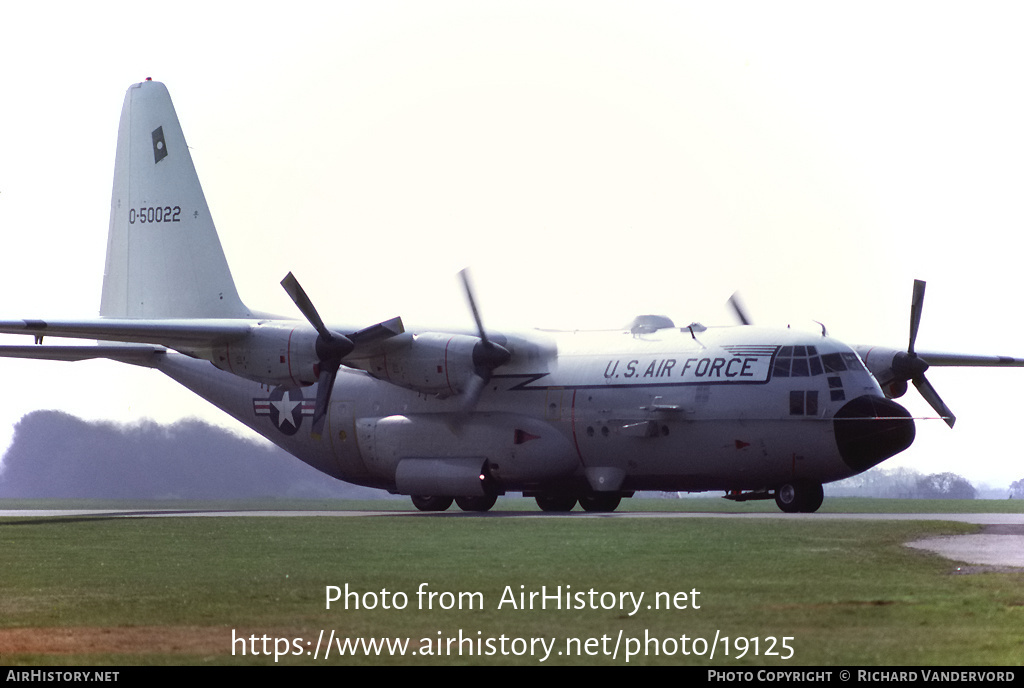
[{"x": 590, "y": 161}]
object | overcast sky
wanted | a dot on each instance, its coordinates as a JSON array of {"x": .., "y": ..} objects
[{"x": 590, "y": 161}]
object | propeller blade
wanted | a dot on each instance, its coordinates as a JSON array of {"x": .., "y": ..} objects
[
  {"x": 330, "y": 346},
  {"x": 324, "y": 386},
  {"x": 330, "y": 349},
  {"x": 916, "y": 306},
  {"x": 378, "y": 332},
  {"x": 471, "y": 395},
  {"x": 739, "y": 310},
  {"x": 464, "y": 274},
  {"x": 914, "y": 366},
  {"x": 298, "y": 295},
  {"x": 486, "y": 355},
  {"x": 933, "y": 399}
]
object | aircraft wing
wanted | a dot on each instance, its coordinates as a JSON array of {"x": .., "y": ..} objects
[
  {"x": 134, "y": 354},
  {"x": 969, "y": 360},
  {"x": 180, "y": 334},
  {"x": 171, "y": 333},
  {"x": 174, "y": 332}
]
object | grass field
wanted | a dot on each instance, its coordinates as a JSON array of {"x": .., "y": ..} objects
[{"x": 104, "y": 590}]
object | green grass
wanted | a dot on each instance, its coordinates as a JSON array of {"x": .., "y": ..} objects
[{"x": 846, "y": 592}]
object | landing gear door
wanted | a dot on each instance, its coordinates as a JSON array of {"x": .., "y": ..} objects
[{"x": 341, "y": 432}]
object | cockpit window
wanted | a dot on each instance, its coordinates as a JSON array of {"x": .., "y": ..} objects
[
  {"x": 833, "y": 363},
  {"x": 804, "y": 361},
  {"x": 800, "y": 368},
  {"x": 782, "y": 366},
  {"x": 799, "y": 361},
  {"x": 815, "y": 363},
  {"x": 852, "y": 361}
]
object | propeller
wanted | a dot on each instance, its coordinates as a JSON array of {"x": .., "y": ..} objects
[
  {"x": 486, "y": 354},
  {"x": 331, "y": 347},
  {"x": 738, "y": 309},
  {"x": 909, "y": 366}
]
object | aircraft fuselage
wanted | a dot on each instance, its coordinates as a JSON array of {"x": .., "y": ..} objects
[{"x": 738, "y": 408}]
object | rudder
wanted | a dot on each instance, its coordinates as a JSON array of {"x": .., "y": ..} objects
[{"x": 164, "y": 259}]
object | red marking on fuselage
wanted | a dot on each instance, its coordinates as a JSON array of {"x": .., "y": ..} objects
[
  {"x": 575, "y": 439},
  {"x": 447, "y": 379},
  {"x": 288, "y": 353},
  {"x": 522, "y": 437}
]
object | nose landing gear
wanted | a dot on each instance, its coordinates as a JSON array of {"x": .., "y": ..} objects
[{"x": 799, "y": 497}]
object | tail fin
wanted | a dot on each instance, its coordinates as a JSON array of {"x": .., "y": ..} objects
[{"x": 164, "y": 259}]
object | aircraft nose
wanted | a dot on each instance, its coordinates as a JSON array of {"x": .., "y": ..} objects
[{"x": 870, "y": 429}]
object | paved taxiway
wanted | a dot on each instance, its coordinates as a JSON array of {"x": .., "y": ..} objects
[{"x": 1000, "y": 544}]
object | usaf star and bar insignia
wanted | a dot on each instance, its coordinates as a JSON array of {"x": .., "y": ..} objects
[{"x": 286, "y": 409}]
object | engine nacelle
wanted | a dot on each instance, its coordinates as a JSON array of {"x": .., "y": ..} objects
[
  {"x": 431, "y": 363},
  {"x": 891, "y": 368},
  {"x": 879, "y": 360},
  {"x": 271, "y": 354}
]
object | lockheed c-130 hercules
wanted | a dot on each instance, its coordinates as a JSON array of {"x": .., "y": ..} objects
[{"x": 564, "y": 417}]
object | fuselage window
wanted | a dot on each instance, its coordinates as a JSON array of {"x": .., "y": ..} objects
[
  {"x": 803, "y": 403},
  {"x": 796, "y": 403}
]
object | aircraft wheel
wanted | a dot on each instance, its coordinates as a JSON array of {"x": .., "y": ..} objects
[
  {"x": 556, "y": 503},
  {"x": 814, "y": 495},
  {"x": 476, "y": 503},
  {"x": 786, "y": 497},
  {"x": 429, "y": 503},
  {"x": 600, "y": 502},
  {"x": 799, "y": 497}
]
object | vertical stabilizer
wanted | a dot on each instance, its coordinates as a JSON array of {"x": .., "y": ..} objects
[{"x": 164, "y": 259}]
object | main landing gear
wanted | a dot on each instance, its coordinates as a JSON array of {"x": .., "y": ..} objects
[
  {"x": 432, "y": 503},
  {"x": 601, "y": 502},
  {"x": 476, "y": 503},
  {"x": 554, "y": 503}
]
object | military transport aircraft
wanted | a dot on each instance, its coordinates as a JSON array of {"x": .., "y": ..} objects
[{"x": 563, "y": 417}]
